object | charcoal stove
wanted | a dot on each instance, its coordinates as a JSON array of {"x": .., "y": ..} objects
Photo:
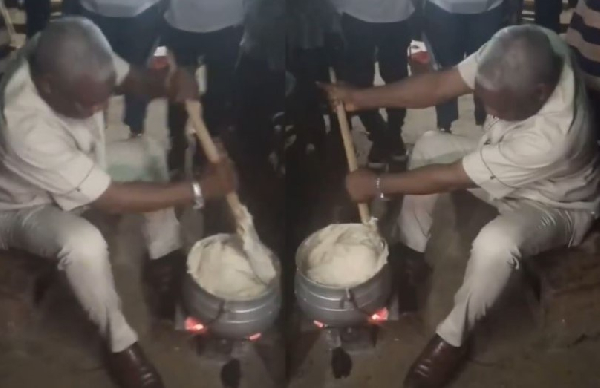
[
  {"x": 347, "y": 319},
  {"x": 228, "y": 354},
  {"x": 225, "y": 332}
]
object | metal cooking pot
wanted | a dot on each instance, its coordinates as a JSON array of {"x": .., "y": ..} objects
[
  {"x": 343, "y": 307},
  {"x": 232, "y": 319}
]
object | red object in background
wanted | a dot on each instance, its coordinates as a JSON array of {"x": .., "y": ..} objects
[
  {"x": 419, "y": 62},
  {"x": 159, "y": 62}
]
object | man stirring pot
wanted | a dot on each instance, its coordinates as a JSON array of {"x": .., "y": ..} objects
[{"x": 53, "y": 165}]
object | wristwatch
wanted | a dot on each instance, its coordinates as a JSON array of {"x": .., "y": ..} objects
[{"x": 198, "y": 198}]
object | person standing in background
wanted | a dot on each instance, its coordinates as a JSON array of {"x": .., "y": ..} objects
[
  {"x": 455, "y": 30},
  {"x": 547, "y": 13},
  {"x": 71, "y": 7},
  {"x": 132, "y": 29},
  {"x": 582, "y": 36},
  {"x": 377, "y": 31},
  {"x": 207, "y": 32},
  {"x": 37, "y": 15}
]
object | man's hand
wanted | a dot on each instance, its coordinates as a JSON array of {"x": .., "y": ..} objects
[
  {"x": 218, "y": 179},
  {"x": 361, "y": 185},
  {"x": 182, "y": 86},
  {"x": 340, "y": 94}
]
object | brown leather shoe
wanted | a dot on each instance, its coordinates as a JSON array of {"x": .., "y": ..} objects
[
  {"x": 436, "y": 365},
  {"x": 163, "y": 277},
  {"x": 131, "y": 369}
]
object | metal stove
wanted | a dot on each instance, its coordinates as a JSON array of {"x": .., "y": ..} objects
[
  {"x": 228, "y": 354},
  {"x": 344, "y": 342}
]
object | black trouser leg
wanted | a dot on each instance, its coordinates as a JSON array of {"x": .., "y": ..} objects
[
  {"x": 134, "y": 39},
  {"x": 185, "y": 48},
  {"x": 481, "y": 28},
  {"x": 37, "y": 14},
  {"x": 359, "y": 69},
  {"x": 394, "y": 39},
  {"x": 547, "y": 13},
  {"x": 221, "y": 55},
  {"x": 71, "y": 7},
  {"x": 445, "y": 33}
]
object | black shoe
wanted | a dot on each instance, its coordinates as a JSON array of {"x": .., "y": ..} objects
[{"x": 131, "y": 369}]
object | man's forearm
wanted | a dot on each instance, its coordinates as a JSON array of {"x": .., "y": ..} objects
[
  {"x": 416, "y": 92},
  {"x": 144, "y": 197},
  {"x": 145, "y": 83},
  {"x": 432, "y": 179}
]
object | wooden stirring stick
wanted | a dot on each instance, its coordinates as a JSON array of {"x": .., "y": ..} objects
[
  {"x": 194, "y": 110},
  {"x": 340, "y": 110}
]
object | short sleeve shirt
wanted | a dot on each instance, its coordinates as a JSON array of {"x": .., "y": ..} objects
[
  {"x": 376, "y": 11},
  {"x": 205, "y": 15},
  {"x": 47, "y": 158},
  {"x": 118, "y": 8},
  {"x": 550, "y": 157}
]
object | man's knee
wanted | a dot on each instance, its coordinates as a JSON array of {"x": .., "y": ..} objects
[
  {"x": 86, "y": 244},
  {"x": 494, "y": 249},
  {"x": 428, "y": 147}
]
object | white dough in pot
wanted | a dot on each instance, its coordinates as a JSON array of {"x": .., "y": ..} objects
[
  {"x": 342, "y": 255},
  {"x": 219, "y": 265}
]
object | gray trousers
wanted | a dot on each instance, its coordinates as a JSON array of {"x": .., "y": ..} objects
[
  {"x": 81, "y": 251},
  {"x": 522, "y": 229}
]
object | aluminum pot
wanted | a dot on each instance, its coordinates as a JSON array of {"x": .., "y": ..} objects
[
  {"x": 229, "y": 318},
  {"x": 337, "y": 307}
]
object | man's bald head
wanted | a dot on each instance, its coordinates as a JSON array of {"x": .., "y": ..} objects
[
  {"x": 72, "y": 62},
  {"x": 520, "y": 65}
]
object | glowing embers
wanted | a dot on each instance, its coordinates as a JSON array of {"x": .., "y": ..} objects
[
  {"x": 380, "y": 316},
  {"x": 194, "y": 326}
]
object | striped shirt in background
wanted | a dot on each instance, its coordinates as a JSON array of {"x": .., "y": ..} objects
[{"x": 584, "y": 36}]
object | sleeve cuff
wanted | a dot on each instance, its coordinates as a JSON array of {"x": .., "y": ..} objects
[
  {"x": 88, "y": 191},
  {"x": 477, "y": 170}
]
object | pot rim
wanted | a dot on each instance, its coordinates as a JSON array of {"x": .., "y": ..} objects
[
  {"x": 371, "y": 280},
  {"x": 273, "y": 286}
]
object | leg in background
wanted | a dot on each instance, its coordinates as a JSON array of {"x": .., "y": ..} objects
[
  {"x": 185, "y": 48},
  {"x": 394, "y": 39},
  {"x": 481, "y": 28},
  {"x": 144, "y": 160},
  {"x": 140, "y": 38},
  {"x": 445, "y": 33},
  {"x": 71, "y": 7},
  {"x": 416, "y": 216},
  {"x": 37, "y": 14},
  {"x": 547, "y": 13},
  {"x": 359, "y": 70},
  {"x": 221, "y": 55}
]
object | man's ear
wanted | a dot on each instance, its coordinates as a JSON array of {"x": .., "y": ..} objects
[
  {"x": 543, "y": 93},
  {"x": 44, "y": 84}
]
